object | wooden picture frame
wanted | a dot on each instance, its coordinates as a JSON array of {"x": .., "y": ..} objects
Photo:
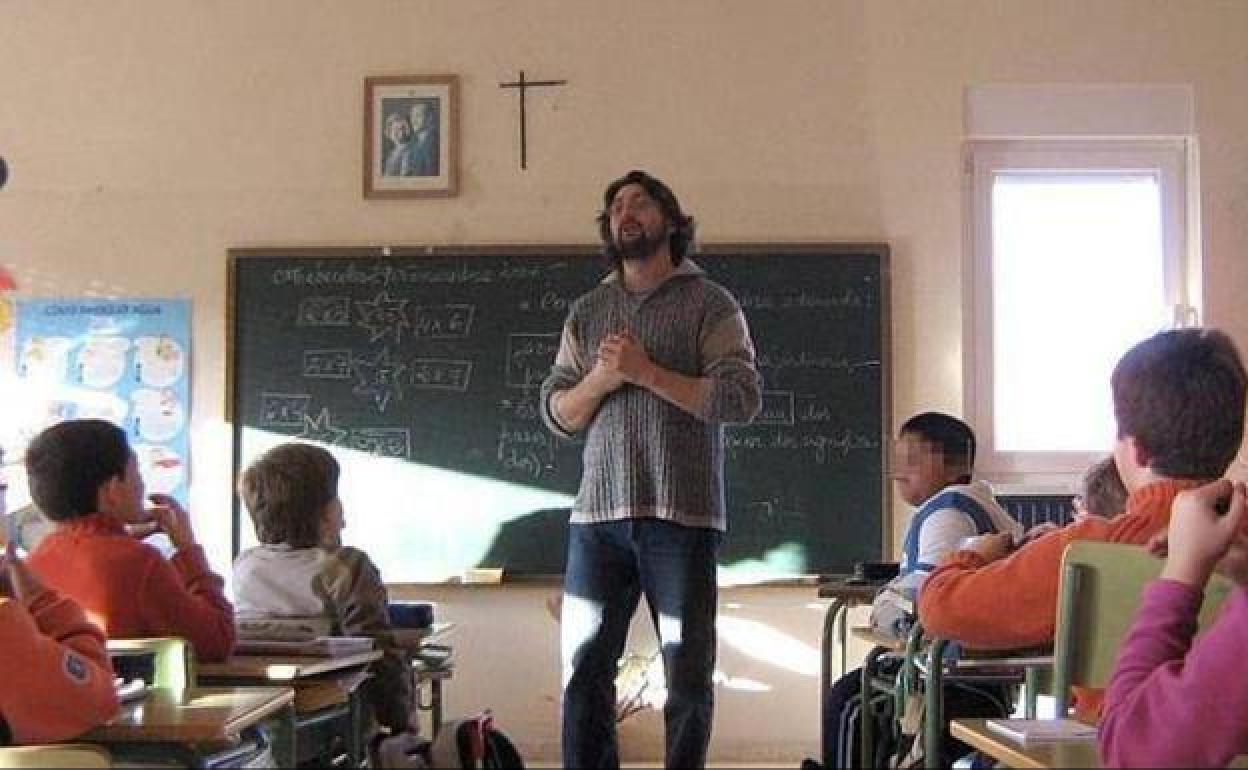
[{"x": 411, "y": 136}]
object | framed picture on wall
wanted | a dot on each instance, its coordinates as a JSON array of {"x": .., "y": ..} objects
[{"x": 411, "y": 136}]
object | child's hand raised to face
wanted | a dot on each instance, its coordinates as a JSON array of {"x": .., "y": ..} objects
[
  {"x": 167, "y": 515},
  {"x": 1200, "y": 534}
]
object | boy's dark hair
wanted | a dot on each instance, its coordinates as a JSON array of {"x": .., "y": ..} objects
[
  {"x": 1180, "y": 395},
  {"x": 286, "y": 490},
  {"x": 1102, "y": 489},
  {"x": 954, "y": 439},
  {"x": 682, "y": 226},
  {"x": 67, "y": 464}
]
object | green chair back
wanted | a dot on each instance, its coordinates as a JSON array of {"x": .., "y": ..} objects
[{"x": 1101, "y": 585}]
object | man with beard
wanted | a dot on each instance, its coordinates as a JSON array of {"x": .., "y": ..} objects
[{"x": 652, "y": 363}]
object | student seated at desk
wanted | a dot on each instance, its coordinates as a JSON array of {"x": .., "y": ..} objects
[
  {"x": 934, "y": 462},
  {"x": 84, "y": 476},
  {"x": 1172, "y": 703},
  {"x": 1101, "y": 494},
  {"x": 301, "y": 572},
  {"x": 55, "y": 678},
  {"x": 1101, "y": 491},
  {"x": 1179, "y": 401}
]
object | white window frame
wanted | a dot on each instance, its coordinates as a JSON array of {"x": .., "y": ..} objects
[{"x": 1170, "y": 160}]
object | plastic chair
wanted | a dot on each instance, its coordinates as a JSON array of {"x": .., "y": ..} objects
[
  {"x": 1100, "y": 593},
  {"x": 68, "y": 755}
]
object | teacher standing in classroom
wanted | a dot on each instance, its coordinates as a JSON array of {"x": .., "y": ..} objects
[{"x": 652, "y": 363}]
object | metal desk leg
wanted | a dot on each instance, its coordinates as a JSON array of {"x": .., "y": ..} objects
[
  {"x": 357, "y": 743},
  {"x": 835, "y": 614},
  {"x": 284, "y": 736},
  {"x": 435, "y": 703},
  {"x": 934, "y": 716},
  {"x": 1031, "y": 691},
  {"x": 866, "y": 714}
]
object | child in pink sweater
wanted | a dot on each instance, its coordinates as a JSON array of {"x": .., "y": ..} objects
[{"x": 1172, "y": 703}]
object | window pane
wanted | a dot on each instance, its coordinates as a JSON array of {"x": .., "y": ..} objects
[{"x": 1078, "y": 278}]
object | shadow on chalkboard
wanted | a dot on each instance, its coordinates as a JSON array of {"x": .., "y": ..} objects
[{"x": 533, "y": 544}]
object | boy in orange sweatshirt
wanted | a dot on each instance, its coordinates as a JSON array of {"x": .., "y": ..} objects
[
  {"x": 84, "y": 476},
  {"x": 57, "y": 681},
  {"x": 1179, "y": 403}
]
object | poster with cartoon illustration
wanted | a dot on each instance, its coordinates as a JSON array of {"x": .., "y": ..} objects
[{"x": 124, "y": 360}]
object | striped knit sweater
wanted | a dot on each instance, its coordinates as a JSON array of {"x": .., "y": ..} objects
[{"x": 645, "y": 457}]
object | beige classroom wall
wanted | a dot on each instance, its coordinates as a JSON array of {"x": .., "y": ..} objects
[{"x": 147, "y": 137}]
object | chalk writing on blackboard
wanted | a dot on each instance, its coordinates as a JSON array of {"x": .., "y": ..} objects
[
  {"x": 823, "y": 448},
  {"x": 522, "y": 408},
  {"x": 382, "y": 317},
  {"x": 440, "y": 374},
  {"x": 851, "y": 298},
  {"x": 549, "y": 302},
  {"x": 777, "y": 408},
  {"x": 327, "y": 274},
  {"x": 443, "y": 321},
  {"x": 283, "y": 410},
  {"x": 529, "y": 450},
  {"x": 324, "y": 311},
  {"x": 320, "y": 428},
  {"x": 327, "y": 364},
  {"x": 382, "y": 442},
  {"x": 779, "y": 360},
  {"x": 378, "y": 378},
  {"x": 529, "y": 357}
]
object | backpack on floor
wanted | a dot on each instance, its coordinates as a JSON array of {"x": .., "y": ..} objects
[{"x": 474, "y": 743}]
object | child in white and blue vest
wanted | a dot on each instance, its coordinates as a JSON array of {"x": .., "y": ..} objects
[{"x": 932, "y": 467}]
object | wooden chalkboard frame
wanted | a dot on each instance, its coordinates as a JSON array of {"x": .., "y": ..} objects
[{"x": 879, "y": 250}]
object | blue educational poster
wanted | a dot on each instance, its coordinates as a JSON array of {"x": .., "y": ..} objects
[{"x": 123, "y": 360}]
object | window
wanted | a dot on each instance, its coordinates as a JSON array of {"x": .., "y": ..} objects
[{"x": 1078, "y": 252}]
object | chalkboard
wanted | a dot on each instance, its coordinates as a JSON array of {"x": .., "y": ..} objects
[{"x": 419, "y": 369}]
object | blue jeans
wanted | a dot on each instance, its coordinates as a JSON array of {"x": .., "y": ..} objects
[{"x": 610, "y": 564}]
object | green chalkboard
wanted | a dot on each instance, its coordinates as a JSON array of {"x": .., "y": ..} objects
[{"x": 420, "y": 367}]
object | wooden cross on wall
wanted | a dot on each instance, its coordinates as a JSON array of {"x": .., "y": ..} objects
[{"x": 524, "y": 85}]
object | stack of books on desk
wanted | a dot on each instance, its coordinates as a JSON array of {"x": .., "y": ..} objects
[
  {"x": 1029, "y": 731},
  {"x": 322, "y": 646},
  {"x": 288, "y": 636}
]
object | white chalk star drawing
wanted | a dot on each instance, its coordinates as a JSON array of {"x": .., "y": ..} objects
[
  {"x": 378, "y": 378},
  {"x": 383, "y": 317},
  {"x": 319, "y": 429}
]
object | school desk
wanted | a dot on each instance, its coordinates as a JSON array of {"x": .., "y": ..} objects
[
  {"x": 328, "y": 702},
  {"x": 192, "y": 725},
  {"x": 431, "y": 669},
  {"x": 844, "y": 594},
  {"x": 975, "y": 732}
]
